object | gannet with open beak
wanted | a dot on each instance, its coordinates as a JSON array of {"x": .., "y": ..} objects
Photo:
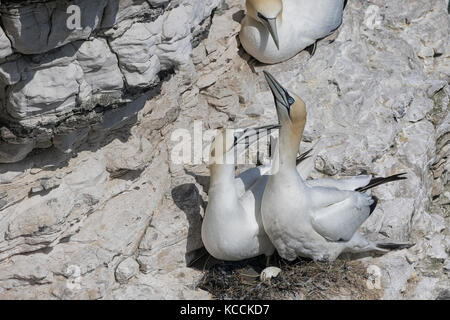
[
  {"x": 308, "y": 219},
  {"x": 232, "y": 228},
  {"x": 276, "y": 30}
]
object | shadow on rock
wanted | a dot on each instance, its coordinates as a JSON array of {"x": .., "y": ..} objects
[
  {"x": 188, "y": 199},
  {"x": 238, "y": 16}
]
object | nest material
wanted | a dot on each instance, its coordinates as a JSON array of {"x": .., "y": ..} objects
[{"x": 300, "y": 279}]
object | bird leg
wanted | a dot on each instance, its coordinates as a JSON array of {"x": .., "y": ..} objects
[
  {"x": 312, "y": 48},
  {"x": 268, "y": 261}
]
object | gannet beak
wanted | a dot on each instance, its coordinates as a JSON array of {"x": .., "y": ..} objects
[
  {"x": 279, "y": 93},
  {"x": 271, "y": 25}
]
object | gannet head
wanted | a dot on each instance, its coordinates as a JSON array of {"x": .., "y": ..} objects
[
  {"x": 291, "y": 109},
  {"x": 266, "y": 12}
]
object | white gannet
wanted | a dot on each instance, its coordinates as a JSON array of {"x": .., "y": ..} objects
[
  {"x": 232, "y": 228},
  {"x": 276, "y": 30},
  {"x": 314, "y": 219}
]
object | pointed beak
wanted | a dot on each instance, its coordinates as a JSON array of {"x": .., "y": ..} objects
[
  {"x": 279, "y": 93},
  {"x": 271, "y": 25}
]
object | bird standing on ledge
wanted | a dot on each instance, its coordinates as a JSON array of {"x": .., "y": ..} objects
[
  {"x": 308, "y": 219},
  {"x": 232, "y": 229}
]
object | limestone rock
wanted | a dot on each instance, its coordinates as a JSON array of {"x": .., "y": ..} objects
[
  {"x": 100, "y": 66},
  {"x": 101, "y": 195},
  {"x": 40, "y": 27},
  {"x": 136, "y": 49},
  {"x": 5, "y": 45},
  {"x": 10, "y": 153},
  {"x": 126, "y": 270},
  {"x": 41, "y": 93},
  {"x": 58, "y": 80}
]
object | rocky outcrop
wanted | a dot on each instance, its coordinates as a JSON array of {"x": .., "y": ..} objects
[
  {"x": 93, "y": 202},
  {"x": 56, "y": 75}
]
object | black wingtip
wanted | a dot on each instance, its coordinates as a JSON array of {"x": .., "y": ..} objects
[
  {"x": 394, "y": 246},
  {"x": 305, "y": 155},
  {"x": 373, "y": 205},
  {"x": 379, "y": 181}
]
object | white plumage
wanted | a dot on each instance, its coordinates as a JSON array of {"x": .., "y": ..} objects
[
  {"x": 317, "y": 219},
  {"x": 299, "y": 24},
  {"x": 232, "y": 228}
]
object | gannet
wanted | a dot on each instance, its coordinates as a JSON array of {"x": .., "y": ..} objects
[
  {"x": 276, "y": 30},
  {"x": 232, "y": 228},
  {"x": 308, "y": 219}
]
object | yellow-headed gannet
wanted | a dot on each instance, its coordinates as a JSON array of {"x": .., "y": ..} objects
[
  {"x": 318, "y": 220},
  {"x": 232, "y": 228},
  {"x": 276, "y": 30}
]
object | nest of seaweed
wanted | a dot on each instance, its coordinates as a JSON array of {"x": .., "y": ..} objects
[{"x": 300, "y": 279}]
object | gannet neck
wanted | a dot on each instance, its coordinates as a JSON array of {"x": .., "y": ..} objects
[
  {"x": 289, "y": 145},
  {"x": 221, "y": 175},
  {"x": 291, "y": 111}
]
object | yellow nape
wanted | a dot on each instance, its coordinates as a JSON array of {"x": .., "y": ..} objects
[{"x": 268, "y": 8}]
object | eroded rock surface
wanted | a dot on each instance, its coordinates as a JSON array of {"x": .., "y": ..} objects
[
  {"x": 58, "y": 77},
  {"x": 102, "y": 209}
]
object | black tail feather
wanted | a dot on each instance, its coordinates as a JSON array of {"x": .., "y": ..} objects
[
  {"x": 395, "y": 246},
  {"x": 303, "y": 156},
  {"x": 373, "y": 205},
  {"x": 379, "y": 181}
]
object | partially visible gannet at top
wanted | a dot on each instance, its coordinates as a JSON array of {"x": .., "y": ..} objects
[
  {"x": 308, "y": 219},
  {"x": 232, "y": 228},
  {"x": 276, "y": 30}
]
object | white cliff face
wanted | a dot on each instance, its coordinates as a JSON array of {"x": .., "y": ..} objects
[
  {"x": 51, "y": 71},
  {"x": 91, "y": 203}
]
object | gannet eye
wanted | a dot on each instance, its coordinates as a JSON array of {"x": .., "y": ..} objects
[{"x": 291, "y": 100}]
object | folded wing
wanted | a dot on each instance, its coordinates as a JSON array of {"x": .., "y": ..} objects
[{"x": 340, "y": 221}]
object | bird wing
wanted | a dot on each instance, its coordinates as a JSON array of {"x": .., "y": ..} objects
[
  {"x": 247, "y": 179},
  {"x": 244, "y": 181},
  {"x": 251, "y": 202},
  {"x": 338, "y": 221},
  {"x": 350, "y": 183}
]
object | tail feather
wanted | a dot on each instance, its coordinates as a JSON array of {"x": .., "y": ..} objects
[
  {"x": 395, "y": 245},
  {"x": 379, "y": 181},
  {"x": 373, "y": 205},
  {"x": 303, "y": 156}
]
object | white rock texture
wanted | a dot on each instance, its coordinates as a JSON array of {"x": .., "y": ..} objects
[
  {"x": 92, "y": 203},
  {"x": 126, "y": 270},
  {"x": 52, "y": 74}
]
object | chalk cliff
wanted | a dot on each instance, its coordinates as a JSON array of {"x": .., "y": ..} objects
[{"x": 92, "y": 204}]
